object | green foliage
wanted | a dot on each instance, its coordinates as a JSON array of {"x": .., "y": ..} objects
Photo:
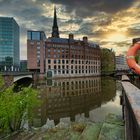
[
  {"x": 1, "y": 82},
  {"x": 107, "y": 60},
  {"x": 17, "y": 107}
]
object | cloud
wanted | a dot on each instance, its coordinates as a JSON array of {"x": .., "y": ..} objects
[
  {"x": 134, "y": 32},
  {"x": 96, "y": 19},
  {"x": 84, "y": 8}
]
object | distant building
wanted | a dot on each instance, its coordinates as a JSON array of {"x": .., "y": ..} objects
[
  {"x": 23, "y": 65},
  {"x": 62, "y": 57},
  {"x": 9, "y": 44},
  {"x": 121, "y": 63}
]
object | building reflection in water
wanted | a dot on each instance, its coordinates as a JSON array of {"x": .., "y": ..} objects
[{"x": 70, "y": 97}]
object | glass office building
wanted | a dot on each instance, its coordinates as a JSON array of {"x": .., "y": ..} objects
[{"x": 9, "y": 44}]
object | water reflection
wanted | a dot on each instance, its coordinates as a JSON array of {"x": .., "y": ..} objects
[{"x": 70, "y": 97}]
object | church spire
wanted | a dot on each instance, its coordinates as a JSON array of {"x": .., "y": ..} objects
[{"x": 55, "y": 30}]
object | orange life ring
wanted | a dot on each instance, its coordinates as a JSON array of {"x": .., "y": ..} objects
[{"x": 130, "y": 58}]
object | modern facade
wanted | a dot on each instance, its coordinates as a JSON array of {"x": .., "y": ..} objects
[
  {"x": 64, "y": 57},
  {"x": 121, "y": 63},
  {"x": 9, "y": 44}
]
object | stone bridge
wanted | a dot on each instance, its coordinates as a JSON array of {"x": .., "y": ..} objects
[{"x": 12, "y": 77}]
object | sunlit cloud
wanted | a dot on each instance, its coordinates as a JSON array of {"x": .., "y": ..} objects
[{"x": 111, "y": 24}]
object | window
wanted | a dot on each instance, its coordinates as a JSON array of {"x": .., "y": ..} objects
[
  {"x": 38, "y": 52},
  {"x": 63, "y": 72},
  {"x": 35, "y": 35},
  {"x": 67, "y": 61},
  {"x": 59, "y": 67},
  {"x": 63, "y": 67},
  {"x": 54, "y": 50},
  {"x": 49, "y": 67},
  {"x": 63, "y": 61},
  {"x": 55, "y": 67},
  {"x": 49, "y": 55},
  {"x": 59, "y": 71},
  {"x": 54, "y": 61},
  {"x": 49, "y": 61},
  {"x": 54, "y": 55},
  {"x": 55, "y": 72},
  {"x": 49, "y": 50},
  {"x": 38, "y": 43},
  {"x": 58, "y": 50},
  {"x": 72, "y": 61},
  {"x": 38, "y": 62},
  {"x": 71, "y": 71},
  {"x": 59, "y": 61}
]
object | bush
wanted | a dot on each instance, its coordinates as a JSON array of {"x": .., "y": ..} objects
[{"x": 17, "y": 107}]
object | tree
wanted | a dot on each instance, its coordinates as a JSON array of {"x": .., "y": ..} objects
[
  {"x": 1, "y": 82},
  {"x": 107, "y": 60},
  {"x": 17, "y": 107}
]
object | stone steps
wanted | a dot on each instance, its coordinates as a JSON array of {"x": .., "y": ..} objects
[
  {"x": 91, "y": 132},
  {"x": 111, "y": 129}
]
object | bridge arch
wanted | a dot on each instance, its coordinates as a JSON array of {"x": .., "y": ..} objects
[{"x": 17, "y": 78}]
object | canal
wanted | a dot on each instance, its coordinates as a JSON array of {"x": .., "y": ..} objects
[{"x": 76, "y": 100}]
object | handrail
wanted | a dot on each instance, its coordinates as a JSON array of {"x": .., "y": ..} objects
[{"x": 131, "y": 109}]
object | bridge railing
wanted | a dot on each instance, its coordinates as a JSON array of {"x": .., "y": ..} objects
[
  {"x": 15, "y": 73},
  {"x": 131, "y": 109}
]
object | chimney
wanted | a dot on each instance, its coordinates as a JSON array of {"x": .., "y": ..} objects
[
  {"x": 71, "y": 36},
  {"x": 85, "y": 39}
]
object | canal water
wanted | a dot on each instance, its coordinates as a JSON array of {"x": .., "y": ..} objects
[{"x": 76, "y": 100}]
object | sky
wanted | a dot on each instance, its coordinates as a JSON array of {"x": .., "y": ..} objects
[{"x": 110, "y": 23}]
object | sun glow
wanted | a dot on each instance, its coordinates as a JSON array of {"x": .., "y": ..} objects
[{"x": 116, "y": 37}]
